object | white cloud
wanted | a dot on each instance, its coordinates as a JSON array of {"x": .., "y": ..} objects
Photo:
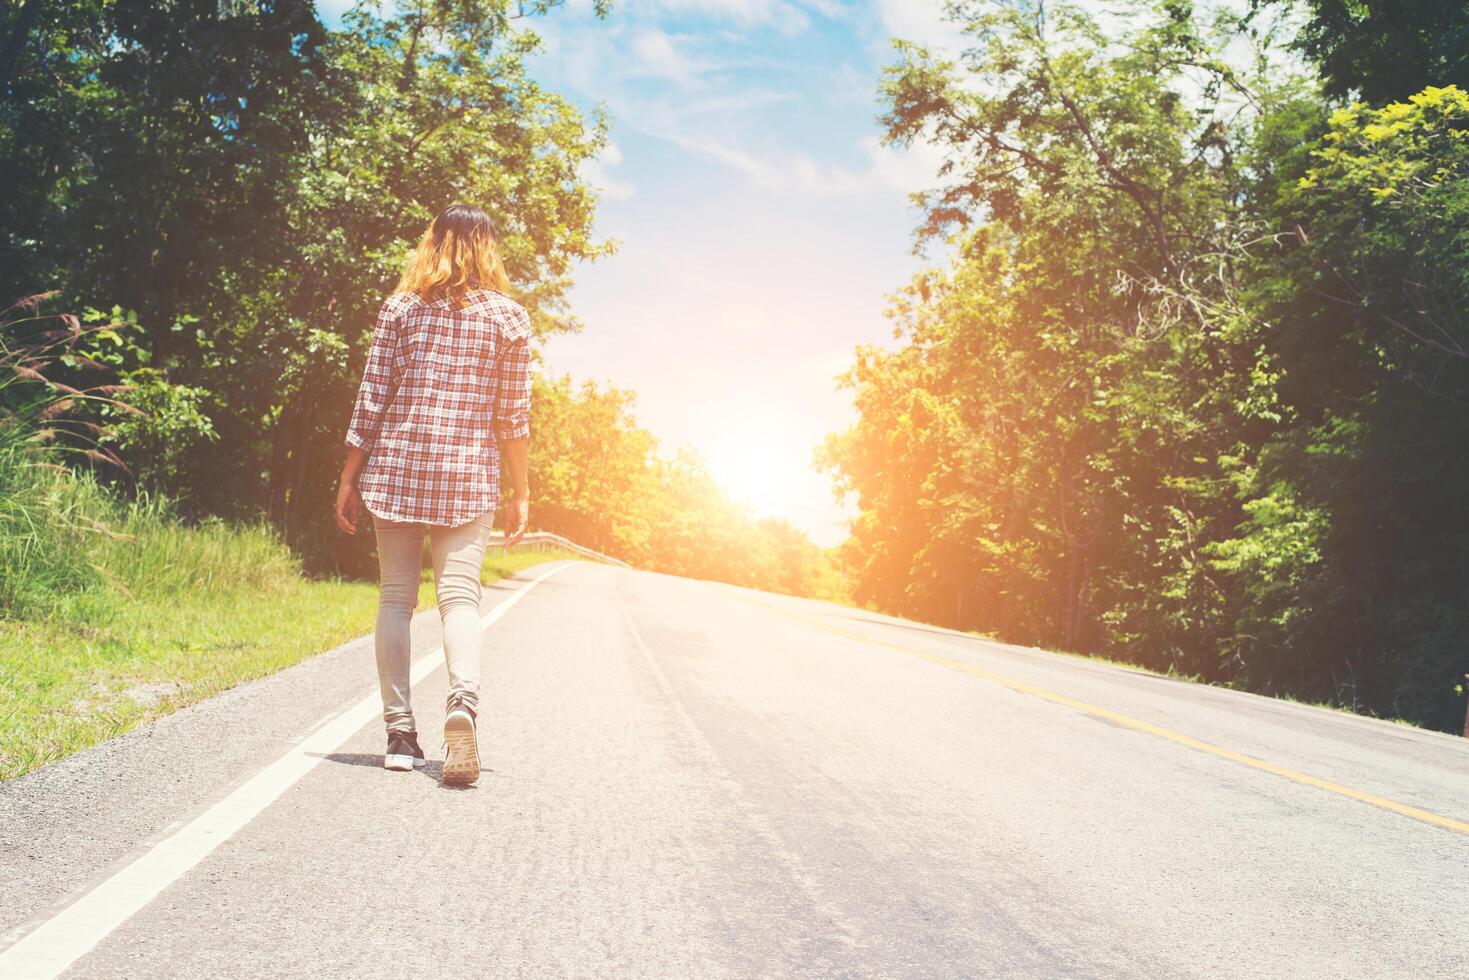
[
  {"x": 830, "y": 9},
  {"x": 911, "y": 168},
  {"x": 594, "y": 171},
  {"x": 688, "y": 90},
  {"x": 659, "y": 57},
  {"x": 783, "y": 15},
  {"x": 599, "y": 60},
  {"x": 921, "y": 21},
  {"x": 773, "y": 171},
  {"x": 789, "y": 17},
  {"x": 906, "y": 169},
  {"x": 849, "y": 87}
]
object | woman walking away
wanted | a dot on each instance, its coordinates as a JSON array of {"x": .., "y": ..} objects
[{"x": 444, "y": 404}]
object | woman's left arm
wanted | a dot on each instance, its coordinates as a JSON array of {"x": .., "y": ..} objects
[
  {"x": 349, "y": 503},
  {"x": 379, "y": 380}
]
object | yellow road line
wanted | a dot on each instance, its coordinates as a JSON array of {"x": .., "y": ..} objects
[{"x": 1137, "y": 724}]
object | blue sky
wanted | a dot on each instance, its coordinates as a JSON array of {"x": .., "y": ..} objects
[{"x": 760, "y": 222}]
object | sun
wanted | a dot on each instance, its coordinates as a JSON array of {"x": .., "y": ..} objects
[
  {"x": 757, "y": 474},
  {"x": 759, "y": 460}
]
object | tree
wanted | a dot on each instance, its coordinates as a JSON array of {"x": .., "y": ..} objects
[
  {"x": 1190, "y": 390},
  {"x": 1352, "y": 554},
  {"x": 148, "y": 146},
  {"x": 1073, "y": 420},
  {"x": 1386, "y": 50},
  {"x": 593, "y": 472},
  {"x": 247, "y": 182}
]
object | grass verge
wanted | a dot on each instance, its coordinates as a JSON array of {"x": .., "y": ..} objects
[{"x": 178, "y": 614}]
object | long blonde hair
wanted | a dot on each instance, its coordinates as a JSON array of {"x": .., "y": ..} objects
[{"x": 457, "y": 253}]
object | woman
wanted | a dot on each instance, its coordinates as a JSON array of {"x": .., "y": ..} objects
[{"x": 444, "y": 404}]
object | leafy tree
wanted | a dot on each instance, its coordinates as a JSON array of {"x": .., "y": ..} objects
[
  {"x": 592, "y": 471},
  {"x": 247, "y": 181},
  {"x": 1385, "y": 50},
  {"x": 1351, "y": 558},
  {"x": 1384, "y": 217},
  {"x": 149, "y": 146},
  {"x": 1191, "y": 388},
  {"x": 1072, "y": 404}
]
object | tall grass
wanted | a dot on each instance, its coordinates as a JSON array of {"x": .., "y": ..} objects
[
  {"x": 63, "y": 534},
  {"x": 112, "y": 611}
]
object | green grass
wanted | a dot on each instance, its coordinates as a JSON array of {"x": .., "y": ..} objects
[{"x": 170, "y": 616}]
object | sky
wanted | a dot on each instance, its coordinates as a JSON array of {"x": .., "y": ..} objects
[{"x": 761, "y": 225}]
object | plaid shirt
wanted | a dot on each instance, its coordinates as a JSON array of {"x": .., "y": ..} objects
[{"x": 440, "y": 387}]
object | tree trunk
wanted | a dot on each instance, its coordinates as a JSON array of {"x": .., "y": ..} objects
[
  {"x": 276, "y": 488},
  {"x": 1078, "y": 574}
]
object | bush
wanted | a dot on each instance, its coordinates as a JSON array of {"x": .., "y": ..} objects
[{"x": 61, "y": 530}]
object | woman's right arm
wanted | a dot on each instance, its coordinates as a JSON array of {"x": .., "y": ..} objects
[{"x": 512, "y": 430}]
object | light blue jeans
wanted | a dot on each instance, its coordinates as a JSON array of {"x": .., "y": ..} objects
[{"x": 458, "y": 554}]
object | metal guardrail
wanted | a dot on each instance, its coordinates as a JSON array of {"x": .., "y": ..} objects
[{"x": 546, "y": 541}]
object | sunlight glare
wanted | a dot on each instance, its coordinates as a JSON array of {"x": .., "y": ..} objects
[{"x": 758, "y": 456}]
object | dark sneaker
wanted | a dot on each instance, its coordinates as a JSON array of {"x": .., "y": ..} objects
[
  {"x": 461, "y": 755},
  {"x": 403, "y": 752}
]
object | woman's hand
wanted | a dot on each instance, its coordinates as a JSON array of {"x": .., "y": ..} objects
[
  {"x": 517, "y": 516},
  {"x": 513, "y": 477},
  {"x": 349, "y": 505}
]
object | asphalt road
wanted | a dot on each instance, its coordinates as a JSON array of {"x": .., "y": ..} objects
[{"x": 691, "y": 780}]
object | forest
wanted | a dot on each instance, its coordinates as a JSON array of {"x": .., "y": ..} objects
[{"x": 1191, "y": 390}]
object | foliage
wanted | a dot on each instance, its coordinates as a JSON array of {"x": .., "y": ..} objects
[
  {"x": 68, "y": 391},
  {"x": 240, "y": 169},
  {"x": 1060, "y": 416},
  {"x": 1371, "y": 341},
  {"x": 1186, "y": 392},
  {"x": 592, "y": 472},
  {"x": 1384, "y": 50},
  {"x": 89, "y": 582},
  {"x": 1386, "y": 206}
]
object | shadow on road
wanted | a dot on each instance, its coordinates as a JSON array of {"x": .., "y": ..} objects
[{"x": 433, "y": 769}]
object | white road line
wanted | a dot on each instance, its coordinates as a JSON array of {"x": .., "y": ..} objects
[{"x": 61, "y": 940}]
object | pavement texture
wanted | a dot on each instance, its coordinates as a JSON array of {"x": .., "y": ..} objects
[{"x": 691, "y": 780}]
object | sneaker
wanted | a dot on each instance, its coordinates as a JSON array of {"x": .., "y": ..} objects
[
  {"x": 403, "y": 752},
  {"x": 461, "y": 758}
]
